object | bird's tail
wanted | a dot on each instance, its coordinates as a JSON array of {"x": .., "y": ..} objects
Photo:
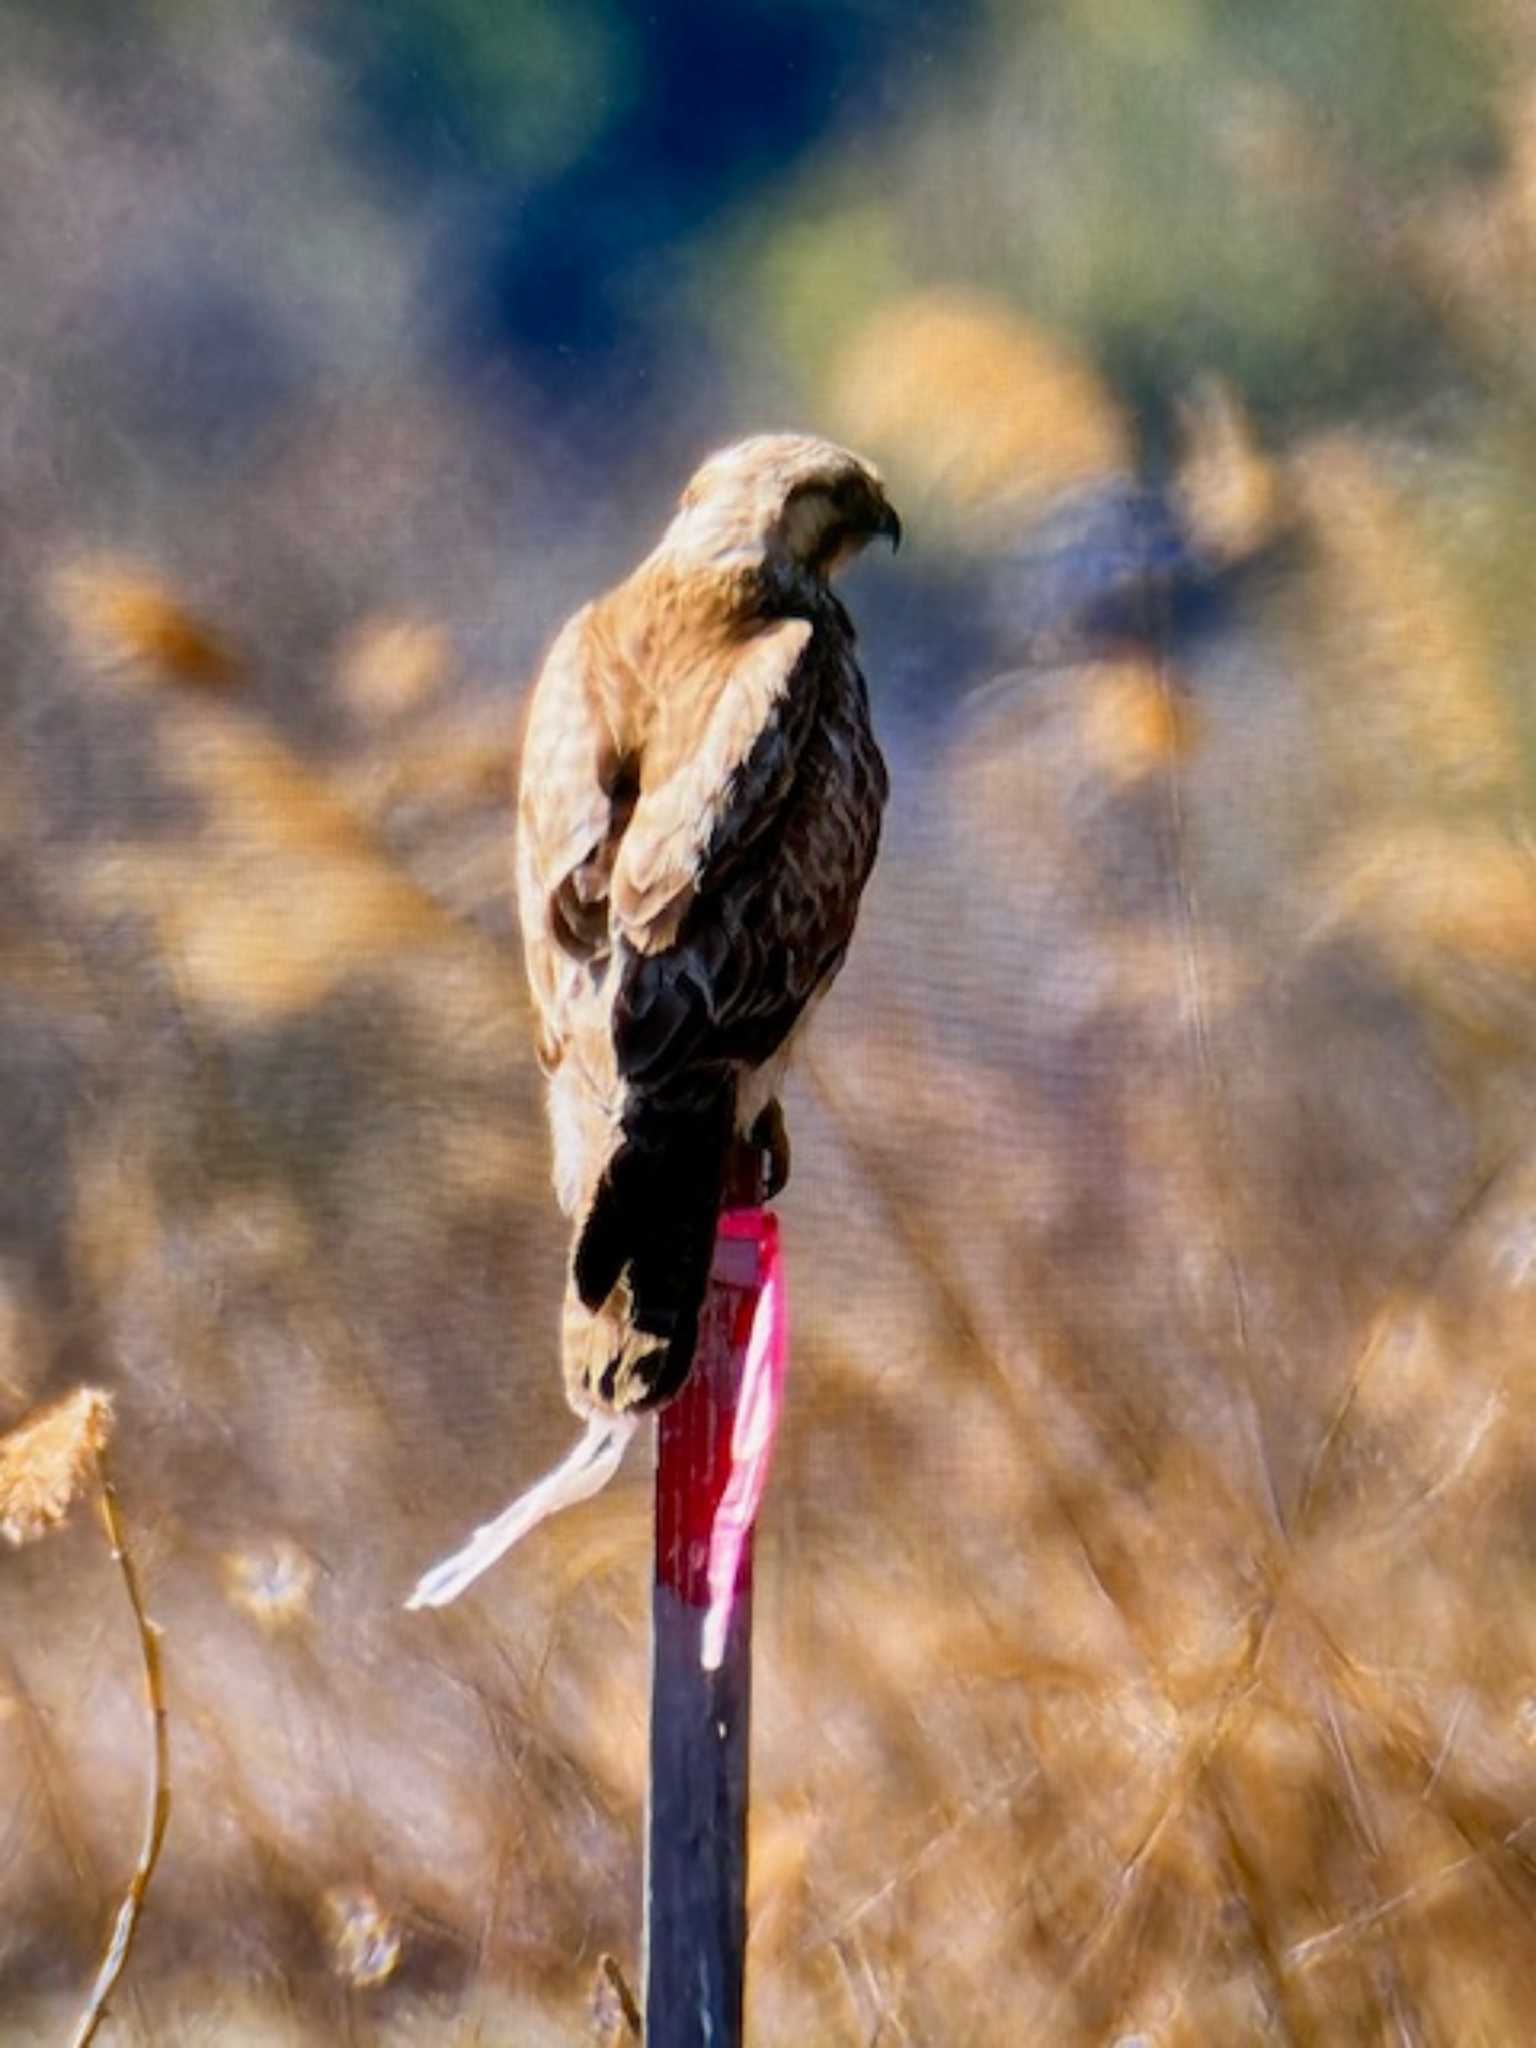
[{"x": 642, "y": 1254}]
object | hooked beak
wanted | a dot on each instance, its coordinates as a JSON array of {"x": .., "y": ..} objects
[{"x": 888, "y": 525}]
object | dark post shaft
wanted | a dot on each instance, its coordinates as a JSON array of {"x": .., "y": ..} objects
[{"x": 696, "y": 1862}]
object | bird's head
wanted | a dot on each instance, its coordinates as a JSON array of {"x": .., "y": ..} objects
[{"x": 784, "y": 502}]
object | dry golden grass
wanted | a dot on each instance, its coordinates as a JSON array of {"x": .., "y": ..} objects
[
  {"x": 1230, "y": 493},
  {"x": 132, "y": 625},
  {"x": 1406, "y": 675},
  {"x": 389, "y": 667},
  {"x": 1144, "y": 1599},
  {"x": 1141, "y": 1651},
  {"x": 48, "y": 1460},
  {"x": 1021, "y": 417}
]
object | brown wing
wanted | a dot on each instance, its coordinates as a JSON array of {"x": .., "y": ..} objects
[
  {"x": 619, "y": 803},
  {"x": 776, "y": 866},
  {"x": 697, "y": 770}
]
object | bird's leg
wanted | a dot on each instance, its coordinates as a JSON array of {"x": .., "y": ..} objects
[{"x": 769, "y": 1140}]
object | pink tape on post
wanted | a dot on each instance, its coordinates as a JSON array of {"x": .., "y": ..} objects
[{"x": 760, "y": 1403}]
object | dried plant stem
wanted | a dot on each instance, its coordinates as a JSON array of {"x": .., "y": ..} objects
[
  {"x": 158, "y": 1808},
  {"x": 1212, "y": 1103},
  {"x": 618, "y": 1984}
]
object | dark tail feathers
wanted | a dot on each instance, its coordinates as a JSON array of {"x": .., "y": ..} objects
[{"x": 652, "y": 1223}]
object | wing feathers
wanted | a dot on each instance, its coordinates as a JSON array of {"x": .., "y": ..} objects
[
  {"x": 665, "y": 843},
  {"x": 778, "y": 887},
  {"x": 617, "y": 822}
]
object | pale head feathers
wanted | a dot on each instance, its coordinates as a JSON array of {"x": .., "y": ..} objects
[{"x": 781, "y": 501}]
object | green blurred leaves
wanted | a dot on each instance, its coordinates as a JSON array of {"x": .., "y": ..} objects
[
  {"x": 1179, "y": 188},
  {"x": 494, "y": 85}
]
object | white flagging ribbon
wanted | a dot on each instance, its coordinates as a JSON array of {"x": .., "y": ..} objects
[
  {"x": 760, "y": 1402},
  {"x": 585, "y": 1471}
]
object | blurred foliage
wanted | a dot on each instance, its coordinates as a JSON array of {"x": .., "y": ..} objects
[
  {"x": 1197, "y": 187},
  {"x": 522, "y": 88},
  {"x": 1144, "y": 1602}
]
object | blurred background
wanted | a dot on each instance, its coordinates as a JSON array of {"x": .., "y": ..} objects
[{"x": 1146, "y": 1633}]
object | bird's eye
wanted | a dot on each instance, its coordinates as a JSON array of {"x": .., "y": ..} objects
[{"x": 808, "y": 517}]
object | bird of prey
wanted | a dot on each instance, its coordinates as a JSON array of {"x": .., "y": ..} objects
[{"x": 698, "y": 812}]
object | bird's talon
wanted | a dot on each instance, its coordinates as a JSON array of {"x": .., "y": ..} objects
[{"x": 769, "y": 1137}]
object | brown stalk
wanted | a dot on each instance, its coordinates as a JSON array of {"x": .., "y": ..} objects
[{"x": 158, "y": 1802}]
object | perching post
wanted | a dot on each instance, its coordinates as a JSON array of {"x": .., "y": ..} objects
[
  {"x": 696, "y": 1847},
  {"x": 713, "y": 1445}
]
